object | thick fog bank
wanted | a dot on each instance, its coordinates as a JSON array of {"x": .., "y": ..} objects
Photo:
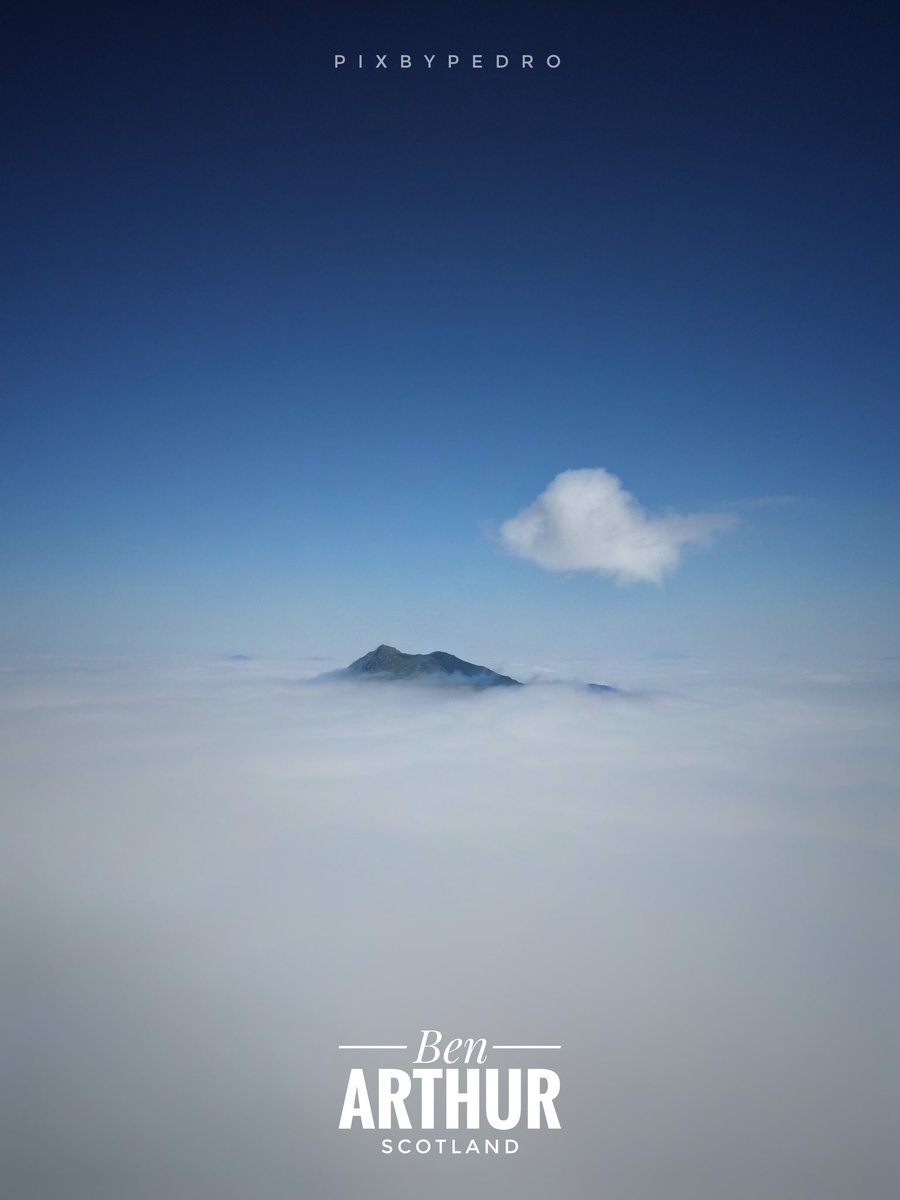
[{"x": 214, "y": 876}]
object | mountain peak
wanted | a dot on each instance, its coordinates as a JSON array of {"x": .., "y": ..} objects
[{"x": 387, "y": 662}]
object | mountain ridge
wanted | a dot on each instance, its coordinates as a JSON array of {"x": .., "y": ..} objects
[{"x": 387, "y": 662}]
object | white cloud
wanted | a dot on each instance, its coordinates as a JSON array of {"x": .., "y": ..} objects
[{"x": 586, "y": 521}]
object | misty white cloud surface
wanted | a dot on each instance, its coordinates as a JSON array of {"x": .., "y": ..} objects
[{"x": 210, "y": 878}]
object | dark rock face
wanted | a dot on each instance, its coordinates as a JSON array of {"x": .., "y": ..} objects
[{"x": 438, "y": 667}]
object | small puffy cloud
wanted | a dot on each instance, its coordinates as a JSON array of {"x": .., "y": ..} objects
[{"x": 584, "y": 520}]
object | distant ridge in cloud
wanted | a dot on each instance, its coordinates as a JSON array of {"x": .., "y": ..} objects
[{"x": 584, "y": 520}]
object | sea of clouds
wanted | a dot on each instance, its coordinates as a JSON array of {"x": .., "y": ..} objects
[{"x": 213, "y": 875}]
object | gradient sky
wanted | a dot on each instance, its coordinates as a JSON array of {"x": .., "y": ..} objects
[{"x": 284, "y": 346}]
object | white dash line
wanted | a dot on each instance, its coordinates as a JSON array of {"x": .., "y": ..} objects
[
  {"x": 373, "y": 1047},
  {"x": 526, "y": 1047}
]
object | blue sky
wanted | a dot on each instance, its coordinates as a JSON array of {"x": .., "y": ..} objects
[{"x": 285, "y": 346}]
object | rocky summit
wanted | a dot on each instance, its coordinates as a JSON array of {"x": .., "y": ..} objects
[{"x": 387, "y": 662}]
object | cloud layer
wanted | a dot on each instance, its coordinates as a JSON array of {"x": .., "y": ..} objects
[
  {"x": 586, "y": 521},
  {"x": 211, "y": 878}
]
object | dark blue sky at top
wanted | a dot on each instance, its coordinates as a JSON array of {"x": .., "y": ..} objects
[{"x": 281, "y": 342}]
